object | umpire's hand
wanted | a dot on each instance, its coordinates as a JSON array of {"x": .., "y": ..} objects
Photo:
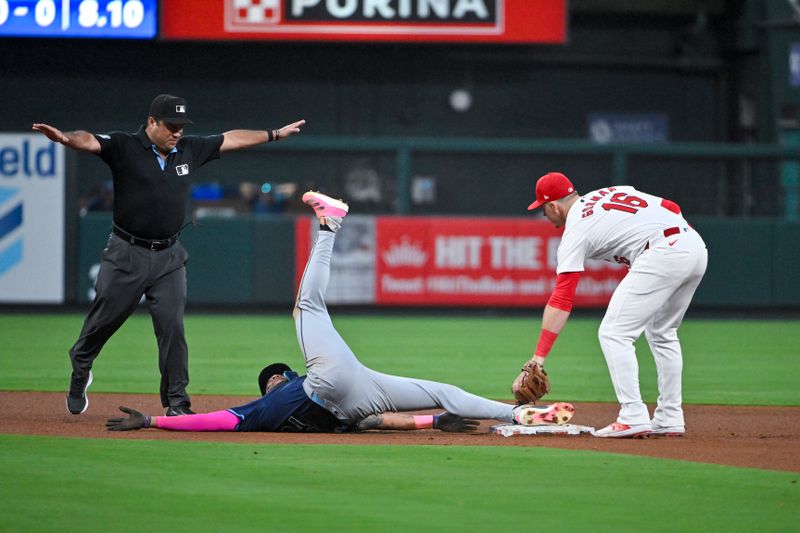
[
  {"x": 289, "y": 129},
  {"x": 52, "y": 133},
  {"x": 454, "y": 423},
  {"x": 136, "y": 420}
]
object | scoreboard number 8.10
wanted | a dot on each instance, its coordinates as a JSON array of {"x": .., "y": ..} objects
[{"x": 78, "y": 18}]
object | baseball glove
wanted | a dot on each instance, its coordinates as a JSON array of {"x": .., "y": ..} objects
[{"x": 531, "y": 384}]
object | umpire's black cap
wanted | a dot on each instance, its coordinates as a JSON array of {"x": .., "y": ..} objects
[
  {"x": 169, "y": 108},
  {"x": 268, "y": 372}
]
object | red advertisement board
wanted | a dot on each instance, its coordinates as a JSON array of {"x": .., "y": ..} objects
[
  {"x": 441, "y": 261},
  {"x": 454, "y": 261},
  {"x": 487, "y": 21}
]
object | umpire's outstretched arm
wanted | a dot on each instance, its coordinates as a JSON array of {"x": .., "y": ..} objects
[
  {"x": 239, "y": 139},
  {"x": 78, "y": 140}
]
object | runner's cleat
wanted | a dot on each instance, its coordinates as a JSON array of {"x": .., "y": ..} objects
[
  {"x": 325, "y": 206},
  {"x": 556, "y": 414}
]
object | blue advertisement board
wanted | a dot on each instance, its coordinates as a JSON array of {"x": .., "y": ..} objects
[
  {"x": 794, "y": 65},
  {"x": 105, "y": 19},
  {"x": 31, "y": 219}
]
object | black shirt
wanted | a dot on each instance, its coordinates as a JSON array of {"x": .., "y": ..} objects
[{"x": 149, "y": 202}]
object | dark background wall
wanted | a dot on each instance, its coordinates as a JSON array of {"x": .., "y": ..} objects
[
  {"x": 717, "y": 69},
  {"x": 249, "y": 261},
  {"x": 675, "y": 62},
  {"x": 378, "y": 89}
]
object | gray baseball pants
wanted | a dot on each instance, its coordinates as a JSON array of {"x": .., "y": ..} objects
[
  {"x": 126, "y": 273},
  {"x": 337, "y": 380}
]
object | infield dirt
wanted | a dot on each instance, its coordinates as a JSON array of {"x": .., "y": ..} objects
[{"x": 757, "y": 437}]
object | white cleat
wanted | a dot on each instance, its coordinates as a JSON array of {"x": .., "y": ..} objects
[
  {"x": 667, "y": 431},
  {"x": 617, "y": 430},
  {"x": 556, "y": 414}
]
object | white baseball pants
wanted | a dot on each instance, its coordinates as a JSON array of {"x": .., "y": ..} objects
[{"x": 653, "y": 299}]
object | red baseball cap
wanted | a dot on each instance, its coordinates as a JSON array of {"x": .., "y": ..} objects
[{"x": 551, "y": 186}]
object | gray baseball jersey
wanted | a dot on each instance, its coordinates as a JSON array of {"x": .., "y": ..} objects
[{"x": 351, "y": 391}]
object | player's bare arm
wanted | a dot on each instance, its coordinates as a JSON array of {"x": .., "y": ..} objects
[
  {"x": 215, "y": 422},
  {"x": 403, "y": 422},
  {"x": 239, "y": 139},
  {"x": 77, "y": 140}
]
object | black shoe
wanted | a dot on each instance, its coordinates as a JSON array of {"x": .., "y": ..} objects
[
  {"x": 177, "y": 410},
  {"x": 77, "y": 400}
]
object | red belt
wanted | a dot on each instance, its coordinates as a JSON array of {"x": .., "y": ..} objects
[{"x": 667, "y": 233}]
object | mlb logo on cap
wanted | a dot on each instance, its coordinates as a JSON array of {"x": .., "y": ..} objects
[
  {"x": 171, "y": 109},
  {"x": 550, "y": 187}
]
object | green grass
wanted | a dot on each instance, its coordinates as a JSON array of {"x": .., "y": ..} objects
[
  {"x": 122, "y": 485},
  {"x": 746, "y": 362},
  {"x": 55, "y": 484}
]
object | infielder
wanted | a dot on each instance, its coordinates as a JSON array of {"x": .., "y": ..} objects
[
  {"x": 667, "y": 259},
  {"x": 152, "y": 170},
  {"x": 339, "y": 393}
]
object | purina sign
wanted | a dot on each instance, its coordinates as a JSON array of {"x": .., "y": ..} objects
[
  {"x": 31, "y": 220},
  {"x": 496, "y": 21},
  {"x": 458, "y": 11}
]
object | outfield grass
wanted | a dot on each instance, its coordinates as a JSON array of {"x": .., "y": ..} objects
[
  {"x": 64, "y": 484},
  {"x": 57, "y": 484},
  {"x": 746, "y": 362}
]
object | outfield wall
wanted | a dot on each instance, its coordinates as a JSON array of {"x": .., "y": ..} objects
[{"x": 251, "y": 260}]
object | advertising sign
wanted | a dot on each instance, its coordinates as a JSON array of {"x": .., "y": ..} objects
[
  {"x": 353, "y": 264},
  {"x": 491, "y": 21},
  {"x": 31, "y": 219},
  {"x": 110, "y": 19},
  {"x": 440, "y": 261},
  {"x": 628, "y": 127},
  {"x": 455, "y": 261},
  {"x": 794, "y": 65}
]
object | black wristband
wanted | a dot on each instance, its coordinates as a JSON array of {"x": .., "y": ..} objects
[
  {"x": 277, "y": 134},
  {"x": 270, "y": 136}
]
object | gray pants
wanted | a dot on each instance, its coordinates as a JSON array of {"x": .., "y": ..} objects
[
  {"x": 126, "y": 273},
  {"x": 347, "y": 388}
]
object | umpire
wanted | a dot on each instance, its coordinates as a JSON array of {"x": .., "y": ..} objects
[{"x": 151, "y": 170}]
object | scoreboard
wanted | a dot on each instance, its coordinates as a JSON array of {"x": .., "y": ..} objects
[{"x": 110, "y": 19}]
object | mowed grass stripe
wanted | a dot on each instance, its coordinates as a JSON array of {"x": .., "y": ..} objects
[
  {"x": 745, "y": 362},
  {"x": 122, "y": 485}
]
